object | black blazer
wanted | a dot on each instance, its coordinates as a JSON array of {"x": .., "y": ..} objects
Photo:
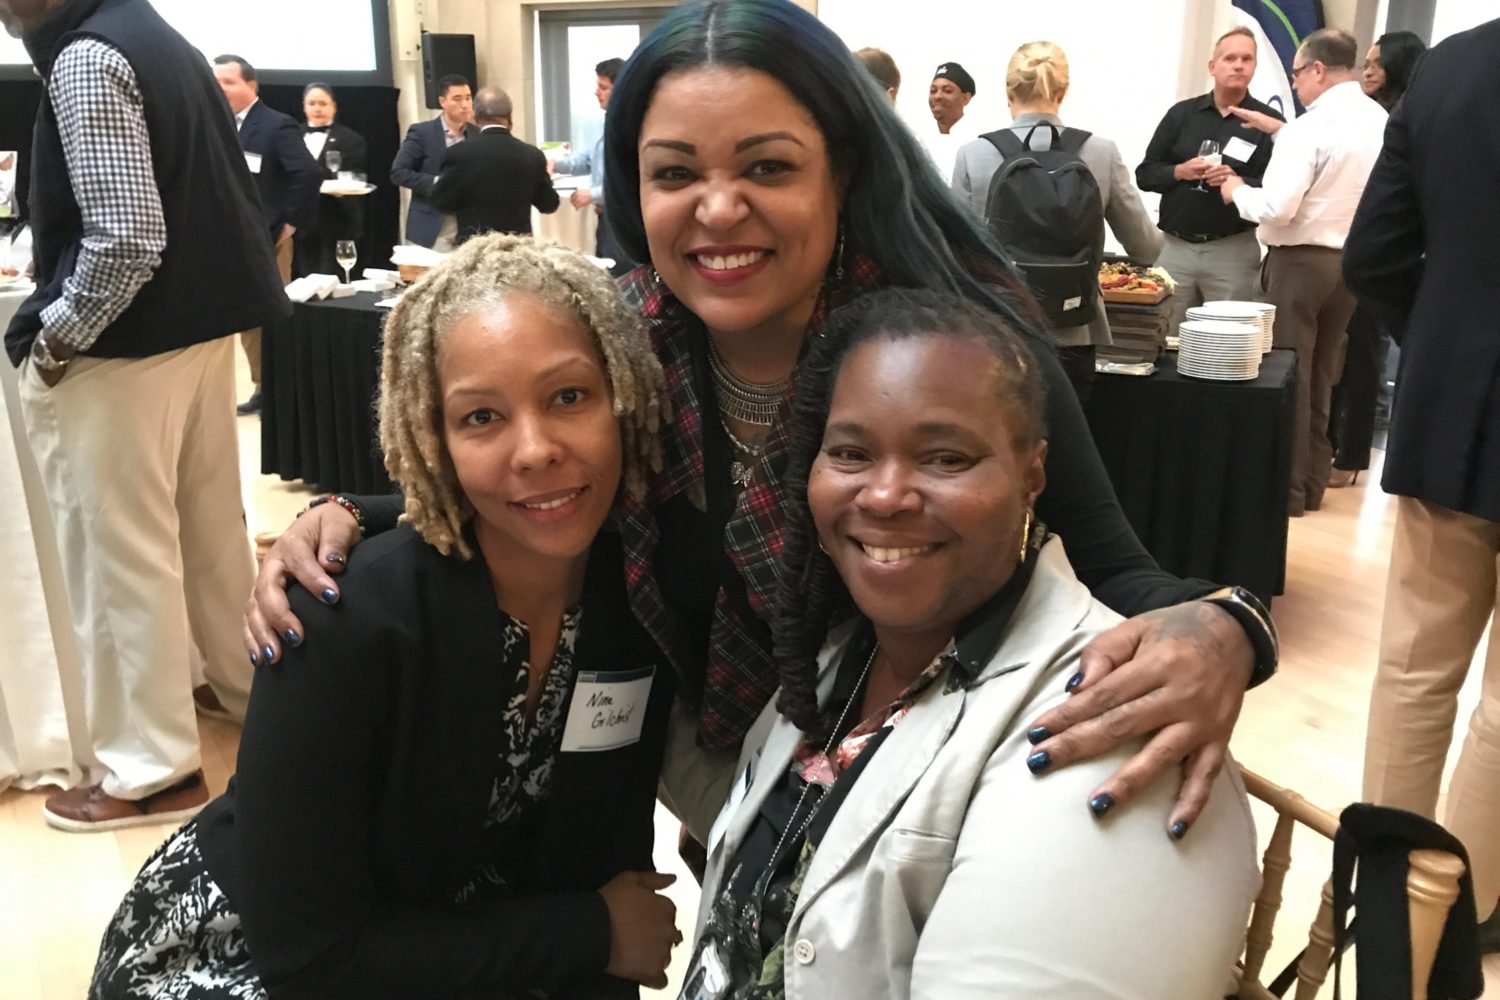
[
  {"x": 288, "y": 178},
  {"x": 365, "y": 773},
  {"x": 416, "y": 167},
  {"x": 491, "y": 180},
  {"x": 336, "y": 218},
  {"x": 1421, "y": 256}
]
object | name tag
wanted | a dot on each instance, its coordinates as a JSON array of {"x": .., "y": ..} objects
[
  {"x": 608, "y": 709},
  {"x": 708, "y": 980},
  {"x": 252, "y": 160},
  {"x": 1239, "y": 149}
]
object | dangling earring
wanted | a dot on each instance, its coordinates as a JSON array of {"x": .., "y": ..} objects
[
  {"x": 838, "y": 254},
  {"x": 1025, "y": 536}
]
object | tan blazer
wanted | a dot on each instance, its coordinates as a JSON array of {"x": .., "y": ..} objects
[{"x": 952, "y": 872}]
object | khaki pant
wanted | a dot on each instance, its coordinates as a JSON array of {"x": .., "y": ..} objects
[
  {"x": 140, "y": 461},
  {"x": 1207, "y": 272},
  {"x": 447, "y": 237},
  {"x": 1440, "y": 595},
  {"x": 1312, "y": 318},
  {"x": 250, "y": 339}
]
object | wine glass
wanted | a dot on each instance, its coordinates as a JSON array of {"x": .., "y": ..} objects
[
  {"x": 1208, "y": 149},
  {"x": 333, "y": 159},
  {"x": 346, "y": 253}
]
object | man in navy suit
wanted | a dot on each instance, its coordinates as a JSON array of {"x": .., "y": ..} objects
[
  {"x": 286, "y": 176},
  {"x": 420, "y": 160}
]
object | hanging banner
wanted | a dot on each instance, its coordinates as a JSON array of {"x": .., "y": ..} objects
[{"x": 1279, "y": 26}]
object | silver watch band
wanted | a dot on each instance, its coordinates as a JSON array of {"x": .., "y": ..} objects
[{"x": 44, "y": 357}]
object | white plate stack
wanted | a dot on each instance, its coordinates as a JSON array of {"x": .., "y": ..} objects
[
  {"x": 1231, "y": 311},
  {"x": 1219, "y": 350}
]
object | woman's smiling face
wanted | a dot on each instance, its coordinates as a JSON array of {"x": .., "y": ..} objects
[
  {"x": 530, "y": 427},
  {"x": 739, "y": 199},
  {"x": 922, "y": 485}
]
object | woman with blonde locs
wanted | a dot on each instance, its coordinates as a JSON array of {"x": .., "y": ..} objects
[
  {"x": 420, "y": 808},
  {"x": 760, "y": 172}
]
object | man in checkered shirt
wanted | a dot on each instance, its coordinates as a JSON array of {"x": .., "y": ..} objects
[{"x": 148, "y": 255}]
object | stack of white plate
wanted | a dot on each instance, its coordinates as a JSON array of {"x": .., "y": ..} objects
[
  {"x": 1219, "y": 350},
  {"x": 1232, "y": 311}
]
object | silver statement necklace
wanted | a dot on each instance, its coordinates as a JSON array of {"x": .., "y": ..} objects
[{"x": 748, "y": 402}]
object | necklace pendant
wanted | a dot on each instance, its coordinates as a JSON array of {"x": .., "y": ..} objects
[{"x": 740, "y": 474}]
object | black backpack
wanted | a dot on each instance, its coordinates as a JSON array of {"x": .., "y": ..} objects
[{"x": 1045, "y": 208}]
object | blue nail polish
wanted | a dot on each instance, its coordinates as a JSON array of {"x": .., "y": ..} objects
[
  {"x": 292, "y": 638},
  {"x": 335, "y": 558},
  {"x": 1039, "y": 761},
  {"x": 1179, "y": 829},
  {"x": 1101, "y": 804},
  {"x": 1038, "y": 734},
  {"x": 330, "y": 596},
  {"x": 255, "y": 659},
  {"x": 269, "y": 654},
  {"x": 1074, "y": 681}
]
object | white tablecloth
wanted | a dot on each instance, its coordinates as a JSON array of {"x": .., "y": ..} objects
[{"x": 42, "y": 737}]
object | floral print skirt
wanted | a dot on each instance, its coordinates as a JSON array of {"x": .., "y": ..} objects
[{"x": 175, "y": 936}]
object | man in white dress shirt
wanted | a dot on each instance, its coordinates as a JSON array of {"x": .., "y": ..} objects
[{"x": 1304, "y": 207}]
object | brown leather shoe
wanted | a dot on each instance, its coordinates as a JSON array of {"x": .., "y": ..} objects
[
  {"x": 90, "y": 810},
  {"x": 209, "y": 706}
]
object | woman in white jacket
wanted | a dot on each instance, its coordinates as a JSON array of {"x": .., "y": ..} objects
[{"x": 882, "y": 838}]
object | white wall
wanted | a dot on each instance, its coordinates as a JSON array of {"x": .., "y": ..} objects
[
  {"x": 1449, "y": 17},
  {"x": 1124, "y": 69}
]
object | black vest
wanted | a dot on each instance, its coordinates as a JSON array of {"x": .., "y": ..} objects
[{"x": 217, "y": 274}]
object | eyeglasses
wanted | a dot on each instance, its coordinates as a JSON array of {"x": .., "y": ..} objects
[{"x": 1296, "y": 70}]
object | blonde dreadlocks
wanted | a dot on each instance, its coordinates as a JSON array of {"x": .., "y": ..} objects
[{"x": 478, "y": 277}]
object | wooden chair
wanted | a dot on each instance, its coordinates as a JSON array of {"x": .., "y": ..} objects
[
  {"x": 1431, "y": 889},
  {"x": 263, "y": 542}
]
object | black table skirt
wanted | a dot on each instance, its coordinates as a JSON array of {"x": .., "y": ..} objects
[
  {"x": 1202, "y": 469},
  {"x": 321, "y": 376}
]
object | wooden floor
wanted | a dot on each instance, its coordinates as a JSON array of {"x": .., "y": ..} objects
[{"x": 1305, "y": 729}]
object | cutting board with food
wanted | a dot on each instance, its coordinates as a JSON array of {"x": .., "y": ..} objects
[{"x": 1131, "y": 283}]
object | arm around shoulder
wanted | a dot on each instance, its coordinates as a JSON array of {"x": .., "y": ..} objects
[{"x": 1044, "y": 900}]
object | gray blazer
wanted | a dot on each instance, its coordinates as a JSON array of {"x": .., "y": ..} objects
[
  {"x": 951, "y": 872},
  {"x": 1127, "y": 217}
]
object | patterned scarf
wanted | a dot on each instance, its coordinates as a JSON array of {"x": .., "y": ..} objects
[{"x": 741, "y": 675}]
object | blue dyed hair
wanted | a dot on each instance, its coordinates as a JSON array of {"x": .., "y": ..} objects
[{"x": 897, "y": 211}]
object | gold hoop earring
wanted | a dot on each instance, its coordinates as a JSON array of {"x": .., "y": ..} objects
[{"x": 1025, "y": 536}]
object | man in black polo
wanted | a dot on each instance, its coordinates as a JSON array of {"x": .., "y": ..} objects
[
  {"x": 150, "y": 252},
  {"x": 1209, "y": 250}
]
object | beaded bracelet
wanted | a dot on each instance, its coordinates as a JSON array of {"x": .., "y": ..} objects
[{"x": 344, "y": 502}]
